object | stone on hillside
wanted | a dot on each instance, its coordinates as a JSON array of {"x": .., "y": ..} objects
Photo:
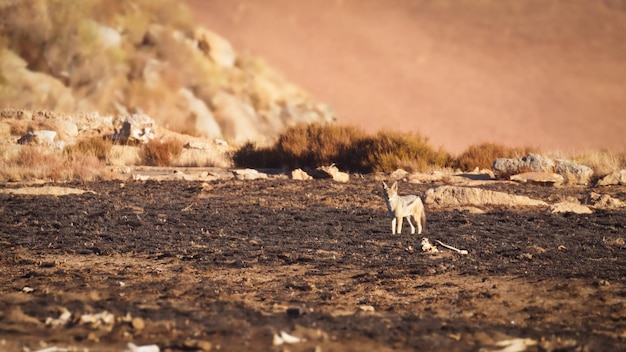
[
  {"x": 92, "y": 121},
  {"x": 504, "y": 167},
  {"x": 296, "y": 111},
  {"x": 204, "y": 121},
  {"x": 134, "y": 128},
  {"x": 331, "y": 172},
  {"x": 570, "y": 206},
  {"x": 238, "y": 120},
  {"x": 539, "y": 178},
  {"x": 215, "y": 47},
  {"x": 454, "y": 196},
  {"x": 249, "y": 174},
  {"x": 34, "y": 88},
  {"x": 301, "y": 175},
  {"x": 573, "y": 174},
  {"x": 613, "y": 179}
]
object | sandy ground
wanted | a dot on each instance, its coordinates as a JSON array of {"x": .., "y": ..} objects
[
  {"x": 232, "y": 265},
  {"x": 548, "y": 74}
]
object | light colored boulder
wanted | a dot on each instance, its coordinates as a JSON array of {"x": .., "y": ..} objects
[
  {"x": 454, "y": 196},
  {"x": 332, "y": 172},
  {"x": 539, "y": 178},
  {"x": 249, "y": 174},
  {"x": 504, "y": 167},
  {"x": 573, "y": 173},
  {"x": 134, "y": 128},
  {"x": 43, "y": 137},
  {"x": 301, "y": 175},
  {"x": 613, "y": 179},
  {"x": 570, "y": 206}
]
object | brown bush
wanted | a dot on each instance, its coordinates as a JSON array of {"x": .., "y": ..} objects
[
  {"x": 96, "y": 146},
  {"x": 347, "y": 147},
  {"x": 389, "y": 151},
  {"x": 483, "y": 155},
  {"x": 161, "y": 153}
]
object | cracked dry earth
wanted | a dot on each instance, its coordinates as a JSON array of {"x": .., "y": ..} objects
[{"x": 228, "y": 265}]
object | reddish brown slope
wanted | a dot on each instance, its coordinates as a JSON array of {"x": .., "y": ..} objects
[{"x": 520, "y": 72}]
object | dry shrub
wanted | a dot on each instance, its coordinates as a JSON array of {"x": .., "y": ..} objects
[
  {"x": 347, "y": 147},
  {"x": 32, "y": 162},
  {"x": 483, "y": 155},
  {"x": 389, "y": 151},
  {"x": 161, "y": 152},
  {"x": 96, "y": 146},
  {"x": 603, "y": 162}
]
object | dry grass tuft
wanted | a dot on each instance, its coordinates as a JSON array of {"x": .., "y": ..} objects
[
  {"x": 161, "y": 152},
  {"x": 602, "y": 162}
]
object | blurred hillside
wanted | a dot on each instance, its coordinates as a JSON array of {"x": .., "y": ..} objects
[
  {"x": 544, "y": 73},
  {"x": 123, "y": 57}
]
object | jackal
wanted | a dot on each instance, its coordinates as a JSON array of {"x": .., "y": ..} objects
[{"x": 401, "y": 207}]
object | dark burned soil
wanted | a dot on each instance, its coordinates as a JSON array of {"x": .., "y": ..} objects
[{"x": 228, "y": 265}]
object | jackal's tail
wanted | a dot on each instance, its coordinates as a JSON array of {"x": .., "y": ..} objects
[{"x": 423, "y": 218}]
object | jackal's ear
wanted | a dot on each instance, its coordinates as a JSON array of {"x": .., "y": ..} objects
[
  {"x": 385, "y": 185},
  {"x": 395, "y": 186}
]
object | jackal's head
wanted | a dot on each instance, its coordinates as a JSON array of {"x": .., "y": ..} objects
[{"x": 390, "y": 192}]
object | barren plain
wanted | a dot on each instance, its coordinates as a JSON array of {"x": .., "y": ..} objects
[{"x": 233, "y": 265}]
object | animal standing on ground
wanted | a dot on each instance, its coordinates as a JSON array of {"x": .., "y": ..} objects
[{"x": 401, "y": 207}]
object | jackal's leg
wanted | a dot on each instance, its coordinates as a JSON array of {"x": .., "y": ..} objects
[
  {"x": 408, "y": 218},
  {"x": 399, "y": 220},
  {"x": 419, "y": 226},
  {"x": 393, "y": 226}
]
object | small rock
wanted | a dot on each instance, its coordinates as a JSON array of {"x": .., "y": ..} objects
[
  {"x": 249, "y": 174},
  {"x": 539, "y": 178},
  {"x": 398, "y": 174},
  {"x": 299, "y": 174},
  {"x": 193, "y": 344},
  {"x": 367, "y": 308},
  {"x": 613, "y": 179},
  {"x": 138, "y": 324},
  {"x": 332, "y": 172},
  {"x": 570, "y": 207}
]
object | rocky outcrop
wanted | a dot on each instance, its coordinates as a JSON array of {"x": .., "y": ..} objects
[
  {"x": 505, "y": 167},
  {"x": 189, "y": 79},
  {"x": 136, "y": 128},
  {"x": 539, "y": 169},
  {"x": 454, "y": 196}
]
